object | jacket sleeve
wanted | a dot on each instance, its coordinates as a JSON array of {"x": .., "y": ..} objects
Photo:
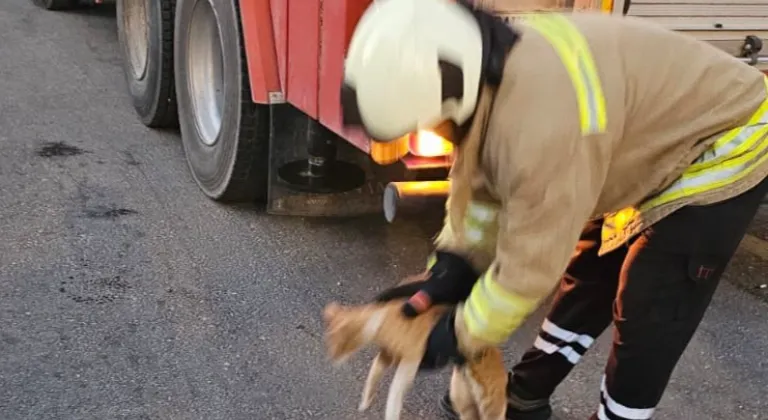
[
  {"x": 479, "y": 250},
  {"x": 549, "y": 183}
]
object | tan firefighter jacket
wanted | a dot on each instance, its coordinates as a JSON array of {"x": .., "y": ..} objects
[{"x": 596, "y": 116}]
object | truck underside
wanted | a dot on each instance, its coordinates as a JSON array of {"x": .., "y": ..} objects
[{"x": 253, "y": 87}]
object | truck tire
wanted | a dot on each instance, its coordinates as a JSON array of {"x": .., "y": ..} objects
[
  {"x": 145, "y": 33},
  {"x": 57, "y": 4},
  {"x": 225, "y": 135}
]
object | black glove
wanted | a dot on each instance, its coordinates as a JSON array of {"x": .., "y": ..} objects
[
  {"x": 450, "y": 282},
  {"x": 442, "y": 345}
]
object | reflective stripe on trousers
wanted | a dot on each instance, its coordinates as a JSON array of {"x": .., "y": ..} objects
[{"x": 554, "y": 339}]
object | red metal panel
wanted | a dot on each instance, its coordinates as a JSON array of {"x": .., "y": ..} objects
[
  {"x": 260, "y": 49},
  {"x": 298, "y": 47},
  {"x": 303, "y": 54},
  {"x": 339, "y": 18},
  {"x": 280, "y": 24}
]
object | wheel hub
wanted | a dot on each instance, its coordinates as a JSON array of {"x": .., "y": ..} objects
[
  {"x": 205, "y": 64},
  {"x": 136, "y": 22}
]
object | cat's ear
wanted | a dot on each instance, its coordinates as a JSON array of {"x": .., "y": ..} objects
[{"x": 331, "y": 310}]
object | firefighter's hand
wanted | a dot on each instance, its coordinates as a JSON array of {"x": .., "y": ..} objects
[
  {"x": 442, "y": 345},
  {"x": 450, "y": 281}
]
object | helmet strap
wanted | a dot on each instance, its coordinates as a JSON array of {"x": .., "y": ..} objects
[{"x": 498, "y": 40}]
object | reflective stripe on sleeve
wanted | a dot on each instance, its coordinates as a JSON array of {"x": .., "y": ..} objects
[
  {"x": 492, "y": 313},
  {"x": 480, "y": 225},
  {"x": 576, "y": 56},
  {"x": 431, "y": 261}
]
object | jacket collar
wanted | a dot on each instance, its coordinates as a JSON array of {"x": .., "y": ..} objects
[{"x": 498, "y": 40}]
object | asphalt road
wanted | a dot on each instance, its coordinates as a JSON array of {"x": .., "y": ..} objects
[{"x": 125, "y": 294}]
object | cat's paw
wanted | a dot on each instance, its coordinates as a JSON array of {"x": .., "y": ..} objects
[{"x": 364, "y": 404}]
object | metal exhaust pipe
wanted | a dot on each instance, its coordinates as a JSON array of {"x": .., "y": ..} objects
[{"x": 413, "y": 196}]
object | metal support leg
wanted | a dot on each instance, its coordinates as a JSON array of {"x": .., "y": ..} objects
[
  {"x": 321, "y": 172},
  {"x": 312, "y": 173}
]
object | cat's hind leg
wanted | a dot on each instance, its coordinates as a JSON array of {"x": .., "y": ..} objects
[
  {"x": 493, "y": 409},
  {"x": 462, "y": 399},
  {"x": 488, "y": 384},
  {"x": 380, "y": 364},
  {"x": 405, "y": 374}
]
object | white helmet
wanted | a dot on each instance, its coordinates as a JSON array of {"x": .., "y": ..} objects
[{"x": 411, "y": 64}]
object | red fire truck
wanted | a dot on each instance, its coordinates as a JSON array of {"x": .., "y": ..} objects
[{"x": 253, "y": 86}]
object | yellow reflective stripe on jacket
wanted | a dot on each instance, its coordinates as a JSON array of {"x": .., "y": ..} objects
[
  {"x": 431, "y": 261},
  {"x": 736, "y": 140},
  {"x": 575, "y": 54},
  {"x": 492, "y": 313},
  {"x": 480, "y": 225},
  {"x": 479, "y": 229},
  {"x": 732, "y": 157}
]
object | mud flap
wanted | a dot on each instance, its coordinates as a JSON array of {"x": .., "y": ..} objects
[{"x": 288, "y": 144}]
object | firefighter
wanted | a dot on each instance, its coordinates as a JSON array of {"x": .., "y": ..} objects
[{"x": 607, "y": 156}]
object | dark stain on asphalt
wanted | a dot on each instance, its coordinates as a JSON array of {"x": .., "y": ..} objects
[
  {"x": 58, "y": 149},
  {"x": 304, "y": 329},
  {"x": 9, "y": 338},
  {"x": 129, "y": 159},
  {"x": 103, "y": 212},
  {"x": 95, "y": 291}
]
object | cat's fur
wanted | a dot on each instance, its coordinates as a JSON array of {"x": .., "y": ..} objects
[{"x": 478, "y": 389}]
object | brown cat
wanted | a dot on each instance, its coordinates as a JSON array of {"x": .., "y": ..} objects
[{"x": 478, "y": 389}]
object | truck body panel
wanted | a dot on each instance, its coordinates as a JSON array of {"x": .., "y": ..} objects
[
  {"x": 295, "y": 48},
  {"x": 723, "y": 23},
  {"x": 259, "y": 29},
  {"x": 303, "y": 58},
  {"x": 295, "y": 52}
]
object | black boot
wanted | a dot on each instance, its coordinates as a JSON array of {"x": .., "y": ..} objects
[{"x": 518, "y": 408}]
